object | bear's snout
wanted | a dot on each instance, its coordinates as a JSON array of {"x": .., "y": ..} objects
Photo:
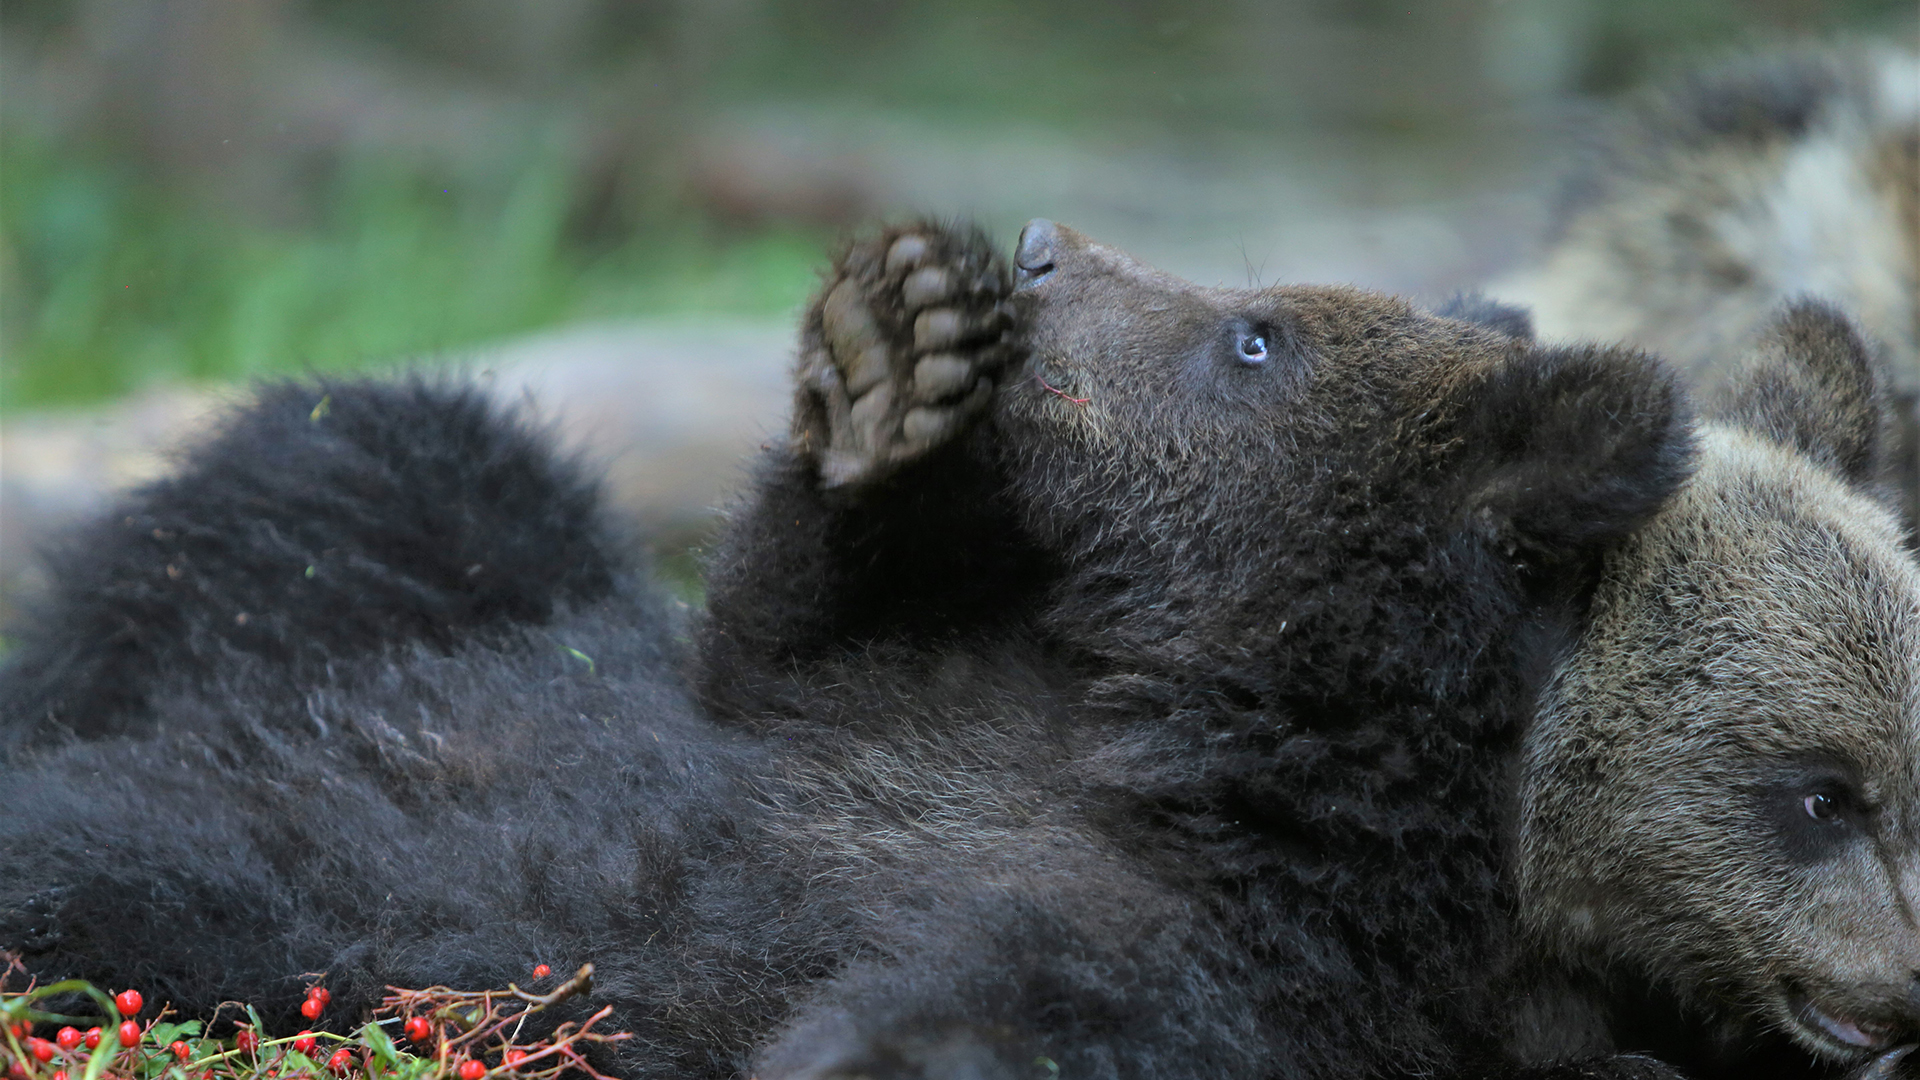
[{"x": 1033, "y": 256}]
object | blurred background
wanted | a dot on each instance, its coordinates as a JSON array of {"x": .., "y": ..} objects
[{"x": 616, "y": 206}]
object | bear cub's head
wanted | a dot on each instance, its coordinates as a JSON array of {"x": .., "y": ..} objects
[
  {"x": 1321, "y": 464},
  {"x": 1722, "y": 788}
]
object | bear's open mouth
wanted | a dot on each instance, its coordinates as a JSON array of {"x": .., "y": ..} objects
[{"x": 1843, "y": 1032}]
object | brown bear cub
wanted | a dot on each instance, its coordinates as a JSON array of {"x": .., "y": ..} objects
[
  {"x": 1249, "y": 591},
  {"x": 1719, "y": 828},
  {"x": 1109, "y": 675}
]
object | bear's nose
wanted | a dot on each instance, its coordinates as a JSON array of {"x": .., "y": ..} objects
[{"x": 1033, "y": 256}]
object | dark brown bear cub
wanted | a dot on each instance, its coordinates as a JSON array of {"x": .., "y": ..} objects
[
  {"x": 1275, "y": 570},
  {"x": 1110, "y": 674}
]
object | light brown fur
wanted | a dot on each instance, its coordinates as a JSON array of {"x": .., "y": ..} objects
[
  {"x": 1687, "y": 234},
  {"x": 1754, "y": 646},
  {"x": 1709, "y": 203}
]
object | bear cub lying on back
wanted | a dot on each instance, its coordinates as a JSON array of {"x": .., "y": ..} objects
[{"x": 1107, "y": 669}]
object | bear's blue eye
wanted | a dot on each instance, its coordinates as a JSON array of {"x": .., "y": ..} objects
[
  {"x": 1822, "y": 807},
  {"x": 1253, "y": 348}
]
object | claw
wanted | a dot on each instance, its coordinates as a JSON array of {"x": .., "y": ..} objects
[
  {"x": 925, "y": 286},
  {"x": 940, "y": 376},
  {"x": 941, "y": 328},
  {"x": 907, "y": 251}
]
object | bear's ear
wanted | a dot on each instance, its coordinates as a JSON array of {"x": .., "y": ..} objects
[
  {"x": 1812, "y": 385},
  {"x": 1565, "y": 450},
  {"x": 1481, "y": 310}
]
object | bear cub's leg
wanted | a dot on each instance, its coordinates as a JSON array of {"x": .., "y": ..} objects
[{"x": 901, "y": 352}]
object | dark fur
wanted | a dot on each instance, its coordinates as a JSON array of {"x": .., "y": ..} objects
[
  {"x": 316, "y": 529},
  {"x": 1483, "y": 310},
  {"x": 1166, "y": 735}
]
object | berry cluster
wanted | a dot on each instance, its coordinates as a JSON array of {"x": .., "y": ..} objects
[
  {"x": 27, "y": 1056},
  {"x": 464, "y": 1030},
  {"x": 449, "y": 1034}
]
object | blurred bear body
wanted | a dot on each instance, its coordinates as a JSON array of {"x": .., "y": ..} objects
[{"x": 1707, "y": 203}]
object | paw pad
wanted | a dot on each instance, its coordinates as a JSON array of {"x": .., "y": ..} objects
[{"x": 903, "y": 350}]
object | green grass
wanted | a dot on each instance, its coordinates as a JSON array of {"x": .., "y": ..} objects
[{"x": 108, "y": 283}]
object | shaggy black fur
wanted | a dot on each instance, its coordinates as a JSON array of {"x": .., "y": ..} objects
[
  {"x": 313, "y": 530},
  {"x": 1162, "y": 735}
]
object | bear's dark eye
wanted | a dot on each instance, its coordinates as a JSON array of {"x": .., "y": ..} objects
[
  {"x": 1822, "y": 806},
  {"x": 1253, "y": 348},
  {"x": 1818, "y": 810}
]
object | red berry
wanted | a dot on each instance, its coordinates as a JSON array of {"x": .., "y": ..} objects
[
  {"x": 305, "y": 1042},
  {"x": 341, "y": 1061},
  {"x": 419, "y": 1028},
  {"x": 246, "y": 1040},
  {"x": 40, "y": 1048},
  {"x": 541, "y": 971},
  {"x": 68, "y": 1038},
  {"x": 130, "y": 1033},
  {"x": 93, "y": 1038},
  {"x": 128, "y": 1002},
  {"x": 472, "y": 1070},
  {"x": 322, "y": 995},
  {"x": 311, "y": 1008},
  {"x": 515, "y": 1057},
  {"x": 17, "y": 1070},
  {"x": 59, "y": 1074},
  {"x": 180, "y": 1049}
]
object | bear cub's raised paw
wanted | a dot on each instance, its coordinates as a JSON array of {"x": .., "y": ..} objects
[{"x": 901, "y": 351}]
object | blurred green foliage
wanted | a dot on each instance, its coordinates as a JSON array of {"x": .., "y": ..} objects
[
  {"x": 108, "y": 283},
  {"x": 111, "y": 278}
]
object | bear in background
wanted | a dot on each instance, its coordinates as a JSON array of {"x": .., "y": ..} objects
[
  {"x": 1107, "y": 670},
  {"x": 1695, "y": 215},
  {"x": 1706, "y": 203}
]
